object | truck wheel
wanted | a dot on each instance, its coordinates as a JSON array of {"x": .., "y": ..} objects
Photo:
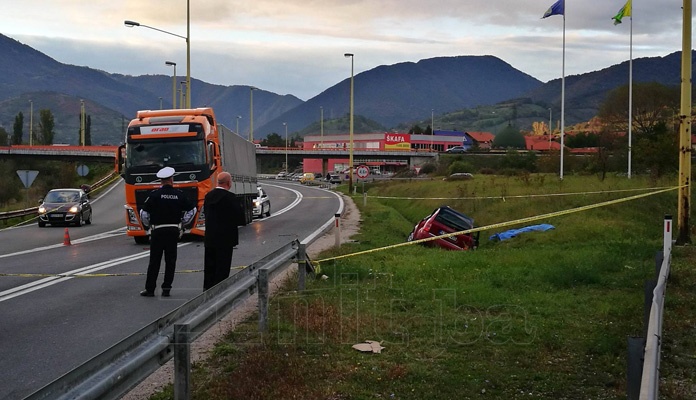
[{"x": 141, "y": 239}]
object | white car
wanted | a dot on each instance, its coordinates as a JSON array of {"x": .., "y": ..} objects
[{"x": 262, "y": 204}]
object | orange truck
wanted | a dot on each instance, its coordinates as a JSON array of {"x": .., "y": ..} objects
[{"x": 197, "y": 147}]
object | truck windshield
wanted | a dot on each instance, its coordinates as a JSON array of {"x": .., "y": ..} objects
[{"x": 165, "y": 153}]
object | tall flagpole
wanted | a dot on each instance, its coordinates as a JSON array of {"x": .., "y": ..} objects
[
  {"x": 563, "y": 96},
  {"x": 630, "y": 93}
]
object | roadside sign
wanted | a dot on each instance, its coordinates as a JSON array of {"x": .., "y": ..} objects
[
  {"x": 417, "y": 170},
  {"x": 27, "y": 176},
  {"x": 362, "y": 171},
  {"x": 82, "y": 170}
]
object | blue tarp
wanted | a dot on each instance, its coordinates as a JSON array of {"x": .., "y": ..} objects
[{"x": 514, "y": 232}]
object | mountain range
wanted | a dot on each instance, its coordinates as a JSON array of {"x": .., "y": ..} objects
[{"x": 391, "y": 95}]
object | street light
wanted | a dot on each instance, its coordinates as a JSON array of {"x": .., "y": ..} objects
[
  {"x": 321, "y": 125},
  {"x": 131, "y": 24},
  {"x": 172, "y": 64},
  {"x": 238, "y": 118},
  {"x": 182, "y": 94},
  {"x": 550, "y": 128},
  {"x": 82, "y": 122},
  {"x": 350, "y": 150},
  {"x": 432, "y": 130},
  {"x": 31, "y": 123},
  {"x": 251, "y": 112},
  {"x": 285, "y": 124}
]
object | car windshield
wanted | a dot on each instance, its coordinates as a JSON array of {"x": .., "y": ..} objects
[
  {"x": 62, "y": 197},
  {"x": 166, "y": 153}
]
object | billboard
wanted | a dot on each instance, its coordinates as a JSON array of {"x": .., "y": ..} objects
[{"x": 397, "y": 141}]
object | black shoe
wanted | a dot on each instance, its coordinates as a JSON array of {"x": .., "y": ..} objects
[
  {"x": 147, "y": 293},
  {"x": 165, "y": 292}
]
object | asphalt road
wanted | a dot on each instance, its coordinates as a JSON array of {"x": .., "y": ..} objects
[{"x": 52, "y": 324}]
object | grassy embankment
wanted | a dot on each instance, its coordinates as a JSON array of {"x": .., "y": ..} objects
[{"x": 544, "y": 315}]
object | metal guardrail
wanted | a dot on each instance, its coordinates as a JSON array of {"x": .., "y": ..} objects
[
  {"x": 33, "y": 210},
  {"x": 120, "y": 368},
  {"x": 653, "y": 344}
]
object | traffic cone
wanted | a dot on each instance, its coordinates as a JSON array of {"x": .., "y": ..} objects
[{"x": 66, "y": 238}]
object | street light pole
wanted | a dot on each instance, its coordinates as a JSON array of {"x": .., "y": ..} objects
[
  {"x": 321, "y": 124},
  {"x": 285, "y": 124},
  {"x": 251, "y": 112},
  {"x": 188, "y": 53},
  {"x": 160, "y": 102},
  {"x": 173, "y": 64},
  {"x": 187, "y": 38},
  {"x": 550, "y": 128},
  {"x": 31, "y": 123},
  {"x": 432, "y": 130},
  {"x": 82, "y": 122},
  {"x": 350, "y": 149}
]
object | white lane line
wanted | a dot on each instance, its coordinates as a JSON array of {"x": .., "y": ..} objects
[
  {"x": 297, "y": 200},
  {"x": 45, "y": 282},
  {"x": 76, "y": 241}
]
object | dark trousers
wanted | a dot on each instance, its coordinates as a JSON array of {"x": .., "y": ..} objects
[
  {"x": 216, "y": 265},
  {"x": 162, "y": 241}
]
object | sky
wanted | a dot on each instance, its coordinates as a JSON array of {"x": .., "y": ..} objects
[{"x": 297, "y": 47}]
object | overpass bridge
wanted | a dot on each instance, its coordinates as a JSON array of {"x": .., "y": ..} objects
[{"x": 108, "y": 154}]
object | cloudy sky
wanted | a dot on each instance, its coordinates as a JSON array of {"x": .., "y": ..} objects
[{"x": 297, "y": 46}]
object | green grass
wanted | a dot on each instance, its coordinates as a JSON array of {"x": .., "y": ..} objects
[{"x": 544, "y": 315}]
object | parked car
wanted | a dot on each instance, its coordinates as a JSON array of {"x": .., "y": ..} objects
[
  {"x": 65, "y": 206},
  {"x": 456, "y": 149},
  {"x": 262, "y": 203},
  {"x": 442, "y": 221},
  {"x": 334, "y": 178}
]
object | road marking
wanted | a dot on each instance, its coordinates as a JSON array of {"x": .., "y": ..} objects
[
  {"x": 98, "y": 236},
  {"x": 42, "y": 283}
]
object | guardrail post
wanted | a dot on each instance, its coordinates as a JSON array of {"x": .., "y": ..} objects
[
  {"x": 301, "y": 266},
  {"x": 634, "y": 369},
  {"x": 182, "y": 362},
  {"x": 364, "y": 198},
  {"x": 659, "y": 257},
  {"x": 667, "y": 234},
  {"x": 337, "y": 230},
  {"x": 262, "y": 285}
]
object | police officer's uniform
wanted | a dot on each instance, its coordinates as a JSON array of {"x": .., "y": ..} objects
[{"x": 163, "y": 211}]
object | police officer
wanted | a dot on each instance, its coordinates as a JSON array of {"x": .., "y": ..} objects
[{"x": 163, "y": 211}]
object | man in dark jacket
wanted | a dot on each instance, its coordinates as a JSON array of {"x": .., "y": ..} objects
[
  {"x": 223, "y": 214},
  {"x": 163, "y": 211}
]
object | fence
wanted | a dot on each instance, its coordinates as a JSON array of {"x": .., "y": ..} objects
[
  {"x": 118, "y": 369},
  {"x": 644, "y": 352}
]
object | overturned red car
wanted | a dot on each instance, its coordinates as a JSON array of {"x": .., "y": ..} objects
[{"x": 442, "y": 221}]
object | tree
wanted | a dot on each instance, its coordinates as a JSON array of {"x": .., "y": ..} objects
[
  {"x": 4, "y": 136},
  {"x": 509, "y": 137},
  {"x": 273, "y": 140},
  {"x": 653, "y": 103},
  {"x": 46, "y": 125},
  {"x": 18, "y": 129},
  {"x": 416, "y": 130}
]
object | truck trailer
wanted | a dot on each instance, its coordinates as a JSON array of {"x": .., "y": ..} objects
[{"x": 193, "y": 143}]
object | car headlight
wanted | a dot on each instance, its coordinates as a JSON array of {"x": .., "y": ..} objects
[
  {"x": 74, "y": 209},
  {"x": 42, "y": 210}
]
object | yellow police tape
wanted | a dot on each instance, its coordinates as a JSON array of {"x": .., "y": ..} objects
[
  {"x": 498, "y": 225},
  {"x": 186, "y": 271}
]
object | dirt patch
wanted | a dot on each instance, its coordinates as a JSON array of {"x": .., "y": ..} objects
[{"x": 201, "y": 348}]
